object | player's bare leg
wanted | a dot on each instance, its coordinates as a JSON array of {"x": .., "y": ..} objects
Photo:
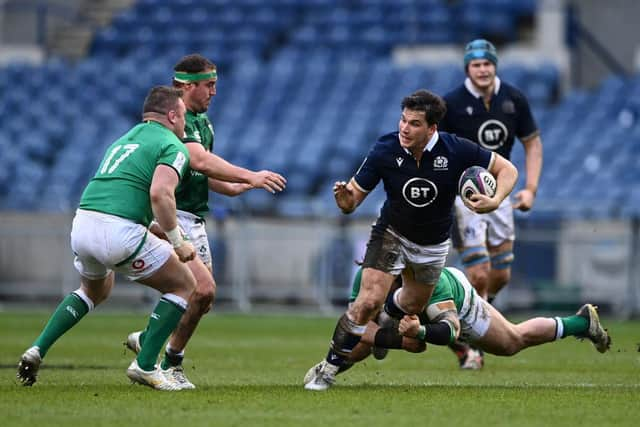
[
  {"x": 500, "y": 271},
  {"x": 506, "y": 339}
]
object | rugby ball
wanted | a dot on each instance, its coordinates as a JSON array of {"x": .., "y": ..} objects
[{"x": 476, "y": 180}]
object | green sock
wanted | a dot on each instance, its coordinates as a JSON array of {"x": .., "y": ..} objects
[
  {"x": 574, "y": 325},
  {"x": 69, "y": 312},
  {"x": 162, "y": 322},
  {"x": 141, "y": 338}
]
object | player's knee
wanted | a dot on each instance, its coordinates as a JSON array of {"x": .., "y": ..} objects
[
  {"x": 204, "y": 294},
  {"x": 478, "y": 278},
  {"x": 474, "y": 256},
  {"x": 412, "y": 307},
  {"x": 364, "y": 309},
  {"x": 501, "y": 262}
]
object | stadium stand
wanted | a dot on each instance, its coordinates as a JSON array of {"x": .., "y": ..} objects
[{"x": 305, "y": 89}]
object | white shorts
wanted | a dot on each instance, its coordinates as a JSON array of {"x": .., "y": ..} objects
[
  {"x": 102, "y": 243},
  {"x": 475, "y": 317},
  {"x": 391, "y": 252},
  {"x": 195, "y": 228},
  {"x": 494, "y": 228}
]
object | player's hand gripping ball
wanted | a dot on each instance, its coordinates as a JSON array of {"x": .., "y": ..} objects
[{"x": 476, "y": 180}]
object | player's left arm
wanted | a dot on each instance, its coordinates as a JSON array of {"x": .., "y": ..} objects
[
  {"x": 214, "y": 166},
  {"x": 228, "y": 188},
  {"x": 506, "y": 176},
  {"x": 533, "y": 163}
]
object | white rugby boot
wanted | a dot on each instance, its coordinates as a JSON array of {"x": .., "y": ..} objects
[
  {"x": 320, "y": 377},
  {"x": 157, "y": 378},
  {"x": 133, "y": 342},
  {"x": 177, "y": 374}
]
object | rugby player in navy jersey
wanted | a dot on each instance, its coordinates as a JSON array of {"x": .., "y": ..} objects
[
  {"x": 492, "y": 113},
  {"x": 419, "y": 168}
]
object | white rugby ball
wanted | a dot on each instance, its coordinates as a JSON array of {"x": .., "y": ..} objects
[{"x": 476, "y": 180}]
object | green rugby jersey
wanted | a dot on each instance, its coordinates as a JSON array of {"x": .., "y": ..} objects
[
  {"x": 121, "y": 185},
  {"x": 447, "y": 288},
  {"x": 192, "y": 194}
]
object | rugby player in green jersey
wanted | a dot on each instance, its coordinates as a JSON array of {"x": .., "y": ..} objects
[
  {"x": 197, "y": 77},
  {"x": 134, "y": 183},
  {"x": 455, "y": 310}
]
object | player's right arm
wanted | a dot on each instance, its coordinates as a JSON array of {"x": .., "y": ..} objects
[
  {"x": 163, "y": 204},
  {"x": 216, "y": 167},
  {"x": 228, "y": 188},
  {"x": 443, "y": 326},
  {"x": 348, "y": 196}
]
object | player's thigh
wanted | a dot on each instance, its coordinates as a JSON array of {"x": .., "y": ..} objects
[
  {"x": 195, "y": 229},
  {"x": 98, "y": 289},
  {"x": 469, "y": 229},
  {"x": 205, "y": 284},
  {"x": 102, "y": 243},
  {"x": 501, "y": 338},
  {"x": 172, "y": 277},
  {"x": 414, "y": 291},
  {"x": 382, "y": 262},
  {"x": 374, "y": 286},
  {"x": 424, "y": 265},
  {"x": 500, "y": 225}
]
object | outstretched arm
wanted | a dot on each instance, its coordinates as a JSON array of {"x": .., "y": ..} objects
[
  {"x": 228, "y": 188},
  {"x": 216, "y": 167}
]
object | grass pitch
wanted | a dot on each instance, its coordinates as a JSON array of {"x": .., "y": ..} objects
[{"x": 248, "y": 372}]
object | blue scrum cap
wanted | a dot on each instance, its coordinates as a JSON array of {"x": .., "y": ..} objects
[{"x": 480, "y": 49}]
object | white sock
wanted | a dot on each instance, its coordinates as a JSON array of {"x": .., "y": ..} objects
[{"x": 559, "y": 328}]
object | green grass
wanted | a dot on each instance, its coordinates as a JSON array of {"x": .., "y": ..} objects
[{"x": 248, "y": 370}]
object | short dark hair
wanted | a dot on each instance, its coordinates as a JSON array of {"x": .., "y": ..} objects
[
  {"x": 432, "y": 105},
  {"x": 161, "y": 99},
  {"x": 194, "y": 63}
]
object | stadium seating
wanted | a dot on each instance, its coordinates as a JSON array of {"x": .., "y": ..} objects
[{"x": 305, "y": 88}]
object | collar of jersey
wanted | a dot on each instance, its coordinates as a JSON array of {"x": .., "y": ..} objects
[
  {"x": 430, "y": 144},
  {"x": 472, "y": 90}
]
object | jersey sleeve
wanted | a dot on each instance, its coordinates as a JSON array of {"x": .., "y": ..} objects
[
  {"x": 355, "y": 287},
  {"x": 441, "y": 291},
  {"x": 475, "y": 154},
  {"x": 526, "y": 126},
  {"x": 367, "y": 176},
  {"x": 176, "y": 156},
  {"x": 191, "y": 133}
]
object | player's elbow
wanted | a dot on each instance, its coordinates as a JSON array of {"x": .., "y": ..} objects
[
  {"x": 159, "y": 194},
  {"x": 198, "y": 162}
]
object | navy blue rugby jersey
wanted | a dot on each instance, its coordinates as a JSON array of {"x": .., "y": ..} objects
[
  {"x": 420, "y": 196},
  {"x": 495, "y": 129}
]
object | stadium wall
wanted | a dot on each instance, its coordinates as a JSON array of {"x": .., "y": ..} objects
[{"x": 306, "y": 263}]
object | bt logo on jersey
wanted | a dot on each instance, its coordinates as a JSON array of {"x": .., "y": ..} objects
[
  {"x": 419, "y": 192},
  {"x": 492, "y": 134}
]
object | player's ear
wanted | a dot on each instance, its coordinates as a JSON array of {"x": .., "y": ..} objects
[{"x": 172, "y": 116}]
